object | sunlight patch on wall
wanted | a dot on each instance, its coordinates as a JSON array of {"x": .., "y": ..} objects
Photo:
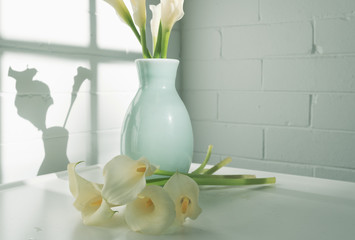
[
  {"x": 21, "y": 160},
  {"x": 58, "y": 22},
  {"x": 112, "y": 32},
  {"x": 36, "y": 124},
  {"x": 117, "y": 85}
]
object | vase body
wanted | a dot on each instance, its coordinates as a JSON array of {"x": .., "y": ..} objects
[{"x": 157, "y": 125}]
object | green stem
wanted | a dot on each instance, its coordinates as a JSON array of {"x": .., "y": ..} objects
[
  {"x": 235, "y": 182},
  {"x": 157, "y": 47},
  {"x": 200, "y": 180},
  {"x": 130, "y": 23},
  {"x": 165, "y": 42},
  {"x": 163, "y": 172},
  {"x": 145, "y": 50},
  {"x": 218, "y": 166},
  {"x": 193, "y": 175},
  {"x": 203, "y": 164}
]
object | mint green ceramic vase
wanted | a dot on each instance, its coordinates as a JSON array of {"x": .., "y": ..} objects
[{"x": 157, "y": 124}]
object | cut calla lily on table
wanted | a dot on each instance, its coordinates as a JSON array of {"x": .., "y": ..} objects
[
  {"x": 150, "y": 208},
  {"x": 125, "y": 179},
  {"x": 88, "y": 199},
  {"x": 152, "y": 212}
]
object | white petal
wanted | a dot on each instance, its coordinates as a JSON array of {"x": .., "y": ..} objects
[
  {"x": 152, "y": 212},
  {"x": 121, "y": 9},
  {"x": 181, "y": 187},
  {"x": 125, "y": 179},
  {"x": 155, "y": 21},
  {"x": 100, "y": 216},
  {"x": 139, "y": 15},
  {"x": 172, "y": 11},
  {"x": 88, "y": 199}
]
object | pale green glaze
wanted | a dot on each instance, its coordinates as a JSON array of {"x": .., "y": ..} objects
[{"x": 157, "y": 125}]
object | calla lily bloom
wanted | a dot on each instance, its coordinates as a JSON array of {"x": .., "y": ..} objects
[
  {"x": 184, "y": 192},
  {"x": 125, "y": 179},
  {"x": 139, "y": 15},
  {"x": 152, "y": 212},
  {"x": 171, "y": 12},
  {"x": 155, "y": 22},
  {"x": 121, "y": 9},
  {"x": 88, "y": 200},
  {"x": 123, "y": 12}
]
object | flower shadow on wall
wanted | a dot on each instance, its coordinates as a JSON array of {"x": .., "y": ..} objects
[{"x": 33, "y": 98}]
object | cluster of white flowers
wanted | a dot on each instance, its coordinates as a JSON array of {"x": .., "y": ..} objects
[
  {"x": 165, "y": 15},
  {"x": 149, "y": 209}
]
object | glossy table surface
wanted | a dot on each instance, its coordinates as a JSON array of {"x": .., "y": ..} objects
[{"x": 294, "y": 208}]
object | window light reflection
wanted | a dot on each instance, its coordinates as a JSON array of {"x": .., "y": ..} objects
[{"x": 58, "y": 22}]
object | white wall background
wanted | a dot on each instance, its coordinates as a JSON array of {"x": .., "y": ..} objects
[{"x": 272, "y": 83}]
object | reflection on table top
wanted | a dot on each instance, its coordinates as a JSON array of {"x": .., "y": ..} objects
[{"x": 294, "y": 208}]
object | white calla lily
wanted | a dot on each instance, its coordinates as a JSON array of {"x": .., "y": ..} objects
[
  {"x": 184, "y": 192},
  {"x": 155, "y": 22},
  {"x": 88, "y": 200},
  {"x": 121, "y": 10},
  {"x": 139, "y": 15},
  {"x": 152, "y": 212},
  {"x": 125, "y": 179},
  {"x": 171, "y": 12}
]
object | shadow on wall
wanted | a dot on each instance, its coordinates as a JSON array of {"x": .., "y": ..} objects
[{"x": 32, "y": 101}]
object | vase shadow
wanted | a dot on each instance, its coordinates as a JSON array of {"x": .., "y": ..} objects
[{"x": 33, "y": 98}]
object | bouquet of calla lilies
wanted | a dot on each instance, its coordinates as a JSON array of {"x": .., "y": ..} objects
[
  {"x": 165, "y": 15},
  {"x": 153, "y": 205}
]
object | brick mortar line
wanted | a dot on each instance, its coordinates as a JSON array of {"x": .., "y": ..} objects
[
  {"x": 260, "y": 22},
  {"x": 271, "y": 126},
  {"x": 221, "y": 91}
]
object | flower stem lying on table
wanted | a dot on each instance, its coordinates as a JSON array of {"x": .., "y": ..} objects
[
  {"x": 203, "y": 176},
  {"x": 219, "y": 180}
]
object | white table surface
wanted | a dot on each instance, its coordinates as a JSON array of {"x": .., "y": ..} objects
[{"x": 294, "y": 208}]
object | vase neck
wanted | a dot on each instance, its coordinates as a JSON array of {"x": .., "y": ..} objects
[{"x": 157, "y": 73}]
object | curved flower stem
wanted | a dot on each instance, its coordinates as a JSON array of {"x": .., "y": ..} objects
[
  {"x": 145, "y": 50},
  {"x": 218, "y": 166},
  {"x": 203, "y": 164},
  {"x": 130, "y": 23}
]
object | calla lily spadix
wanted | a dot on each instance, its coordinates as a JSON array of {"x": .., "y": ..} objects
[
  {"x": 125, "y": 179},
  {"x": 184, "y": 192},
  {"x": 152, "y": 212},
  {"x": 88, "y": 200}
]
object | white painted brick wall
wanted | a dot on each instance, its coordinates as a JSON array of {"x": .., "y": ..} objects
[
  {"x": 255, "y": 108},
  {"x": 272, "y": 83},
  {"x": 261, "y": 40}
]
